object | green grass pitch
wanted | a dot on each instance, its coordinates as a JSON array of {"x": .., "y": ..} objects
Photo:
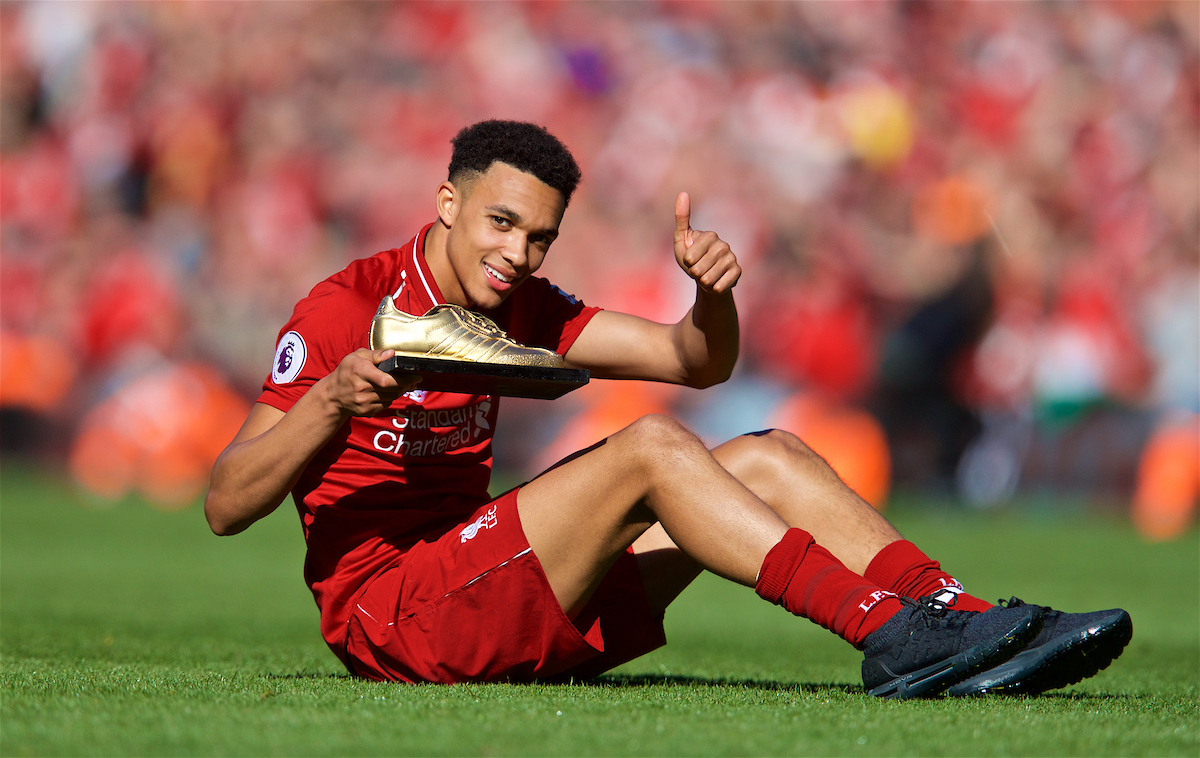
[{"x": 126, "y": 631}]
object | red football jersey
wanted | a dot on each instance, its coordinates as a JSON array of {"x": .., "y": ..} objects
[{"x": 381, "y": 484}]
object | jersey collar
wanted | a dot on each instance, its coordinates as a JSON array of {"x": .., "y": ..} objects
[{"x": 419, "y": 277}]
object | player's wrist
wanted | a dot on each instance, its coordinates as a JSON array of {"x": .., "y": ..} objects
[
  {"x": 331, "y": 403},
  {"x": 709, "y": 303}
]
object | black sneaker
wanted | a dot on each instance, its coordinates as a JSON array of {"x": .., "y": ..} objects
[
  {"x": 1070, "y": 648},
  {"x": 927, "y": 647}
]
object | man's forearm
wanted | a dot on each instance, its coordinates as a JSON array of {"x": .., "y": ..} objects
[
  {"x": 707, "y": 339},
  {"x": 252, "y": 476}
]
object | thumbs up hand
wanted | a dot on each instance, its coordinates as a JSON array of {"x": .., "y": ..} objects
[{"x": 703, "y": 255}]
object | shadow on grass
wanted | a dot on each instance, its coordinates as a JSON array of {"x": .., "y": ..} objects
[
  {"x": 678, "y": 680},
  {"x": 613, "y": 681},
  {"x": 1082, "y": 696},
  {"x": 620, "y": 681},
  {"x": 301, "y": 675}
]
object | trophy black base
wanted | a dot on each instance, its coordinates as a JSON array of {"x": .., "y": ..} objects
[{"x": 487, "y": 378}]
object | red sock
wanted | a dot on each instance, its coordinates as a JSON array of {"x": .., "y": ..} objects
[
  {"x": 806, "y": 579},
  {"x": 902, "y": 568}
]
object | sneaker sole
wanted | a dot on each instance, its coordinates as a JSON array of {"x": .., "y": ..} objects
[
  {"x": 1065, "y": 660},
  {"x": 934, "y": 679}
]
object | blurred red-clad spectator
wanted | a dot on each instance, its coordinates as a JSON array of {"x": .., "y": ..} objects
[
  {"x": 174, "y": 176},
  {"x": 158, "y": 436}
]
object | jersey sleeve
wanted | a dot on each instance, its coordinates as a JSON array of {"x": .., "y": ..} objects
[
  {"x": 325, "y": 327},
  {"x": 549, "y": 317}
]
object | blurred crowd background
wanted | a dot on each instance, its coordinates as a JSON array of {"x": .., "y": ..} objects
[{"x": 970, "y": 230}]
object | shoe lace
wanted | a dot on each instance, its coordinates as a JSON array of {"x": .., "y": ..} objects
[
  {"x": 929, "y": 608},
  {"x": 483, "y": 323},
  {"x": 1050, "y": 616}
]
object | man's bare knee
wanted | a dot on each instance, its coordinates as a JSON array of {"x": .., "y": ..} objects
[
  {"x": 770, "y": 455},
  {"x": 656, "y": 426},
  {"x": 656, "y": 440}
]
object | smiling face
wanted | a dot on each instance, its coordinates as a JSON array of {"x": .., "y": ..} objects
[{"x": 494, "y": 233}]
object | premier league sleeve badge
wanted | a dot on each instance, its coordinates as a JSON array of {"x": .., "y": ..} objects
[{"x": 289, "y": 358}]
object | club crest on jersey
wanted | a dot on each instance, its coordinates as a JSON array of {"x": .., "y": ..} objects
[
  {"x": 481, "y": 422},
  {"x": 289, "y": 358}
]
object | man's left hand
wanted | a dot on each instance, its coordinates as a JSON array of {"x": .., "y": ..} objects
[{"x": 703, "y": 255}]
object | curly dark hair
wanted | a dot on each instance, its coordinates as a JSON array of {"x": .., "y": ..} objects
[{"x": 527, "y": 147}]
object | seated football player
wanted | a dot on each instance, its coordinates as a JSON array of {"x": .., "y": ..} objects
[{"x": 421, "y": 576}]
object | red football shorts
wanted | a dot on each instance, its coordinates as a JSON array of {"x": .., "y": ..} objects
[{"x": 475, "y": 606}]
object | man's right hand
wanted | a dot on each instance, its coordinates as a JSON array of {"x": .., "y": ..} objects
[
  {"x": 260, "y": 466},
  {"x": 359, "y": 388}
]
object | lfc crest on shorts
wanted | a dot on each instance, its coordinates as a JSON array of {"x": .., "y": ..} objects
[{"x": 486, "y": 521}]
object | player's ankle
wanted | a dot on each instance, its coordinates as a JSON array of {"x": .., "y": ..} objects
[{"x": 884, "y": 610}]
